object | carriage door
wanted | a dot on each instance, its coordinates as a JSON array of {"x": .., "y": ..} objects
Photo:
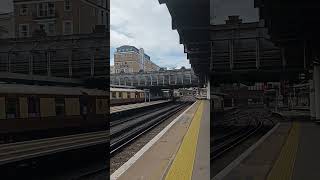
[{"x": 84, "y": 106}]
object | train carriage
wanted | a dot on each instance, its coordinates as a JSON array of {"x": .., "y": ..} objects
[
  {"x": 120, "y": 96},
  {"x": 51, "y": 110}
]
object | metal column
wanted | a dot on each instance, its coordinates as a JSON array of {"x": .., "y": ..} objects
[
  {"x": 312, "y": 101},
  {"x": 316, "y": 78},
  {"x": 208, "y": 88}
]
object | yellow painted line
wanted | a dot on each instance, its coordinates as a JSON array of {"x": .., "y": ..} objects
[
  {"x": 283, "y": 167},
  {"x": 182, "y": 166}
]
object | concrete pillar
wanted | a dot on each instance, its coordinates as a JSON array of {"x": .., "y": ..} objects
[
  {"x": 119, "y": 83},
  {"x": 132, "y": 81},
  {"x": 312, "y": 101},
  {"x": 149, "y": 96},
  {"x": 151, "y": 79},
  {"x": 316, "y": 78},
  {"x": 169, "y": 78}
]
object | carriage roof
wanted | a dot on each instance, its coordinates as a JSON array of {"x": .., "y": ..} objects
[{"x": 125, "y": 90}]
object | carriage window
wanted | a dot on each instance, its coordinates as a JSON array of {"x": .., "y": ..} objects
[
  {"x": 12, "y": 108},
  {"x": 120, "y": 94},
  {"x": 60, "y": 106},
  {"x": 114, "y": 95},
  {"x": 129, "y": 95},
  {"x": 33, "y": 106}
]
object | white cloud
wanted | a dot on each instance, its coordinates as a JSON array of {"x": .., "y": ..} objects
[{"x": 147, "y": 24}]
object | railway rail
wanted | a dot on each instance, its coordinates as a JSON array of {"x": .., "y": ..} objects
[
  {"x": 238, "y": 134},
  {"x": 124, "y": 131}
]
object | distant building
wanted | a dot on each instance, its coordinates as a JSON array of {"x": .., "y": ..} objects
[
  {"x": 6, "y": 25},
  {"x": 129, "y": 59},
  {"x": 59, "y": 17},
  {"x": 112, "y": 70}
]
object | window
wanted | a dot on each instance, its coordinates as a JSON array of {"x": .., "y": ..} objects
[
  {"x": 12, "y": 108},
  {"x": 67, "y": 5},
  {"x": 42, "y": 27},
  {"x": 42, "y": 9},
  {"x": 67, "y": 27},
  {"x": 23, "y": 30},
  {"x": 114, "y": 95},
  {"x": 33, "y": 106},
  {"x": 60, "y": 106},
  {"x": 51, "y": 29},
  {"x": 23, "y": 10},
  {"x": 120, "y": 95},
  {"x": 129, "y": 95},
  {"x": 51, "y": 8}
]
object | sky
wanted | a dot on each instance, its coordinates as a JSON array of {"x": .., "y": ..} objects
[{"x": 146, "y": 24}]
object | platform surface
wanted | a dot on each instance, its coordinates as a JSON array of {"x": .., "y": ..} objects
[
  {"x": 162, "y": 157},
  {"x": 291, "y": 152}
]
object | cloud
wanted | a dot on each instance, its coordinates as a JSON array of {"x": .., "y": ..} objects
[{"x": 146, "y": 24}]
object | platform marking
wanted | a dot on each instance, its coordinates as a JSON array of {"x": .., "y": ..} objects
[
  {"x": 145, "y": 148},
  {"x": 244, "y": 155},
  {"x": 182, "y": 166},
  {"x": 283, "y": 167}
]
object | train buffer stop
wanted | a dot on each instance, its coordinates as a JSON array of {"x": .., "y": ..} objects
[
  {"x": 288, "y": 151},
  {"x": 179, "y": 151}
]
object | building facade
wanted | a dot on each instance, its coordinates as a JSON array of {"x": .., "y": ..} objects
[
  {"x": 129, "y": 59},
  {"x": 59, "y": 17},
  {"x": 6, "y": 25},
  {"x": 112, "y": 70}
]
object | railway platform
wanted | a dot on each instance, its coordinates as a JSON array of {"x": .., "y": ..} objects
[
  {"x": 165, "y": 156},
  {"x": 129, "y": 107},
  {"x": 288, "y": 152}
]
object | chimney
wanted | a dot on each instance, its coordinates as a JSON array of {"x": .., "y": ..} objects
[{"x": 234, "y": 20}]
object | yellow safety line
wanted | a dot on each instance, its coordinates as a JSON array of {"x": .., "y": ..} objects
[
  {"x": 283, "y": 167},
  {"x": 182, "y": 166}
]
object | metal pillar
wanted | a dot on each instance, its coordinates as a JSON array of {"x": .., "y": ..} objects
[
  {"x": 9, "y": 63},
  {"x": 316, "y": 78},
  {"x": 92, "y": 65},
  {"x": 163, "y": 80},
  {"x": 208, "y": 88},
  {"x": 175, "y": 80},
  {"x": 30, "y": 64},
  {"x": 48, "y": 64},
  {"x": 312, "y": 101},
  {"x": 131, "y": 81},
  {"x": 157, "y": 80},
  {"x": 70, "y": 65}
]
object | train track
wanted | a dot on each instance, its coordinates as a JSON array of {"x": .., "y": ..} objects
[
  {"x": 236, "y": 136},
  {"x": 128, "y": 130}
]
